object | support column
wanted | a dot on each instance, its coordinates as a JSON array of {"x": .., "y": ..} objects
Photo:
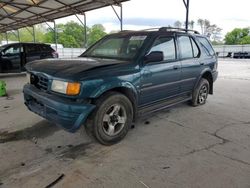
[
  {"x": 34, "y": 34},
  {"x": 120, "y": 18},
  {"x": 85, "y": 31},
  {"x": 6, "y": 35},
  {"x": 85, "y": 27},
  {"x": 18, "y": 35},
  {"x": 55, "y": 34},
  {"x": 186, "y": 3}
]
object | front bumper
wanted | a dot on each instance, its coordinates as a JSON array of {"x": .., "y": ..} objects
[{"x": 67, "y": 114}]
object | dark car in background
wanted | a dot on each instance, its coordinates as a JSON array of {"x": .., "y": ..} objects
[{"x": 14, "y": 56}]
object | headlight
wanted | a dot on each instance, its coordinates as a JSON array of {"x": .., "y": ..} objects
[
  {"x": 68, "y": 88},
  {"x": 28, "y": 77}
]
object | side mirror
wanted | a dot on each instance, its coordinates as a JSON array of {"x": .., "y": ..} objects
[{"x": 155, "y": 56}]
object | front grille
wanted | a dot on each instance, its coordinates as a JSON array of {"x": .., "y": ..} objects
[{"x": 40, "y": 81}]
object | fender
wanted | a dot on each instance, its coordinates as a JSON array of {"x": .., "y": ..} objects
[
  {"x": 111, "y": 86},
  {"x": 200, "y": 76}
]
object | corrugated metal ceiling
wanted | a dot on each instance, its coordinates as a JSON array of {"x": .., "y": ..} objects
[{"x": 15, "y": 14}]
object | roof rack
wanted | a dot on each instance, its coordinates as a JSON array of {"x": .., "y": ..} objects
[
  {"x": 164, "y": 29},
  {"x": 177, "y": 29},
  {"x": 151, "y": 29}
]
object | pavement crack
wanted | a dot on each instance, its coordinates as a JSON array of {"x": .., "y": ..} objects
[
  {"x": 208, "y": 148},
  {"x": 215, "y": 134},
  {"x": 246, "y": 122},
  {"x": 202, "y": 149},
  {"x": 177, "y": 123},
  {"x": 231, "y": 158}
]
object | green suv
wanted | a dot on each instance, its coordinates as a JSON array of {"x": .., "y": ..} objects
[{"x": 121, "y": 77}]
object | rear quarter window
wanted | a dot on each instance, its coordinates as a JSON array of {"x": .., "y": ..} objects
[
  {"x": 206, "y": 46},
  {"x": 46, "y": 48}
]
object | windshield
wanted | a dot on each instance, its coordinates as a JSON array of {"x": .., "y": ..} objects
[{"x": 116, "y": 47}]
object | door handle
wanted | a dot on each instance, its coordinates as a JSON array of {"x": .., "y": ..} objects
[
  {"x": 201, "y": 63},
  {"x": 175, "y": 67}
]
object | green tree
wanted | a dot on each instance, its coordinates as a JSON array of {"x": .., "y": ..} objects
[
  {"x": 96, "y": 32},
  {"x": 26, "y": 34},
  {"x": 238, "y": 36},
  {"x": 70, "y": 35}
]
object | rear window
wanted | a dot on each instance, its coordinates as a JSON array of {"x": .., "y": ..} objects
[
  {"x": 205, "y": 44},
  {"x": 46, "y": 48}
]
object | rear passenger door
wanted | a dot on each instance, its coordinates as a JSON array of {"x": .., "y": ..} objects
[
  {"x": 33, "y": 52},
  {"x": 190, "y": 64},
  {"x": 161, "y": 80}
]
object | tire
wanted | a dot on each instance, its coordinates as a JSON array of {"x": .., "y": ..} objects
[
  {"x": 112, "y": 118},
  {"x": 200, "y": 93}
]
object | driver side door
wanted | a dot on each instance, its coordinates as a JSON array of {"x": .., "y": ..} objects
[
  {"x": 11, "y": 59},
  {"x": 161, "y": 80}
]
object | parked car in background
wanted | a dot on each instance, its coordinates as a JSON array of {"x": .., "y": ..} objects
[
  {"x": 14, "y": 56},
  {"x": 121, "y": 77}
]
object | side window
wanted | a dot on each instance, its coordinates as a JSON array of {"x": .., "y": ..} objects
[
  {"x": 31, "y": 48},
  {"x": 165, "y": 45},
  {"x": 196, "y": 50},
  {"x": 185, "y": 47},
  {"x": 206, "y": 46},
  {"x": 135, "y": 42},
  {"x": 12, "y": 50}
]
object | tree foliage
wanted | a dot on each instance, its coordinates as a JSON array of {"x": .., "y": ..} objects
[
  {"x": 70, "y": 35},
  {"x": 177, "y": 24},
  {"x": 96, "y": 32},
  {"x": 212, "y": 31},
  {"x": 238, "y": 36}
]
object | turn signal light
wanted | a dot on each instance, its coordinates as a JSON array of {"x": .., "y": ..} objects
[{"x": 73, "y": 88}]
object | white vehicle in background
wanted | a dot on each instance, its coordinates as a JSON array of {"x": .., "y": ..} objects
[{"x": 54, "y": 46}]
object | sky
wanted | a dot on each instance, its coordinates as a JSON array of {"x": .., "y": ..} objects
[{"x": 141, "y": 14}]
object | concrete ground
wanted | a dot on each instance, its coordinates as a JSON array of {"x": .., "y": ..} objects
[{"x": 206, "y": 146}]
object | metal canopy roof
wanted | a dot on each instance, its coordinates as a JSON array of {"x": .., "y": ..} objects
[{"x": 15, "y": 14}]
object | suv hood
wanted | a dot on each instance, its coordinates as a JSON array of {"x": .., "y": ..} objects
[{"x": 69, "y": 68}]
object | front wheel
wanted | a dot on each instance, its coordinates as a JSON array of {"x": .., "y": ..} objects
[
  {"x": 200, "y": 93},
  {"x": 112, "y": 118}
]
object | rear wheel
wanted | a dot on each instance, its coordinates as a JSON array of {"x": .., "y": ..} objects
[
  {"x": 200, "y": 93},
  {"x": 112, "y": 118}
]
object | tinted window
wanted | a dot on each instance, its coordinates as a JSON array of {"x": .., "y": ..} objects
[
  {"x": 195, "y": 48},
  {"x": 46, "y": 48},
  {"x": 206, "y": 46},
  {"x": 165, "y": 45},
  {"x": 186, "y": 47},
  {"x": 32, "y": 48},
  {"x": 15, "y": 49}
]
